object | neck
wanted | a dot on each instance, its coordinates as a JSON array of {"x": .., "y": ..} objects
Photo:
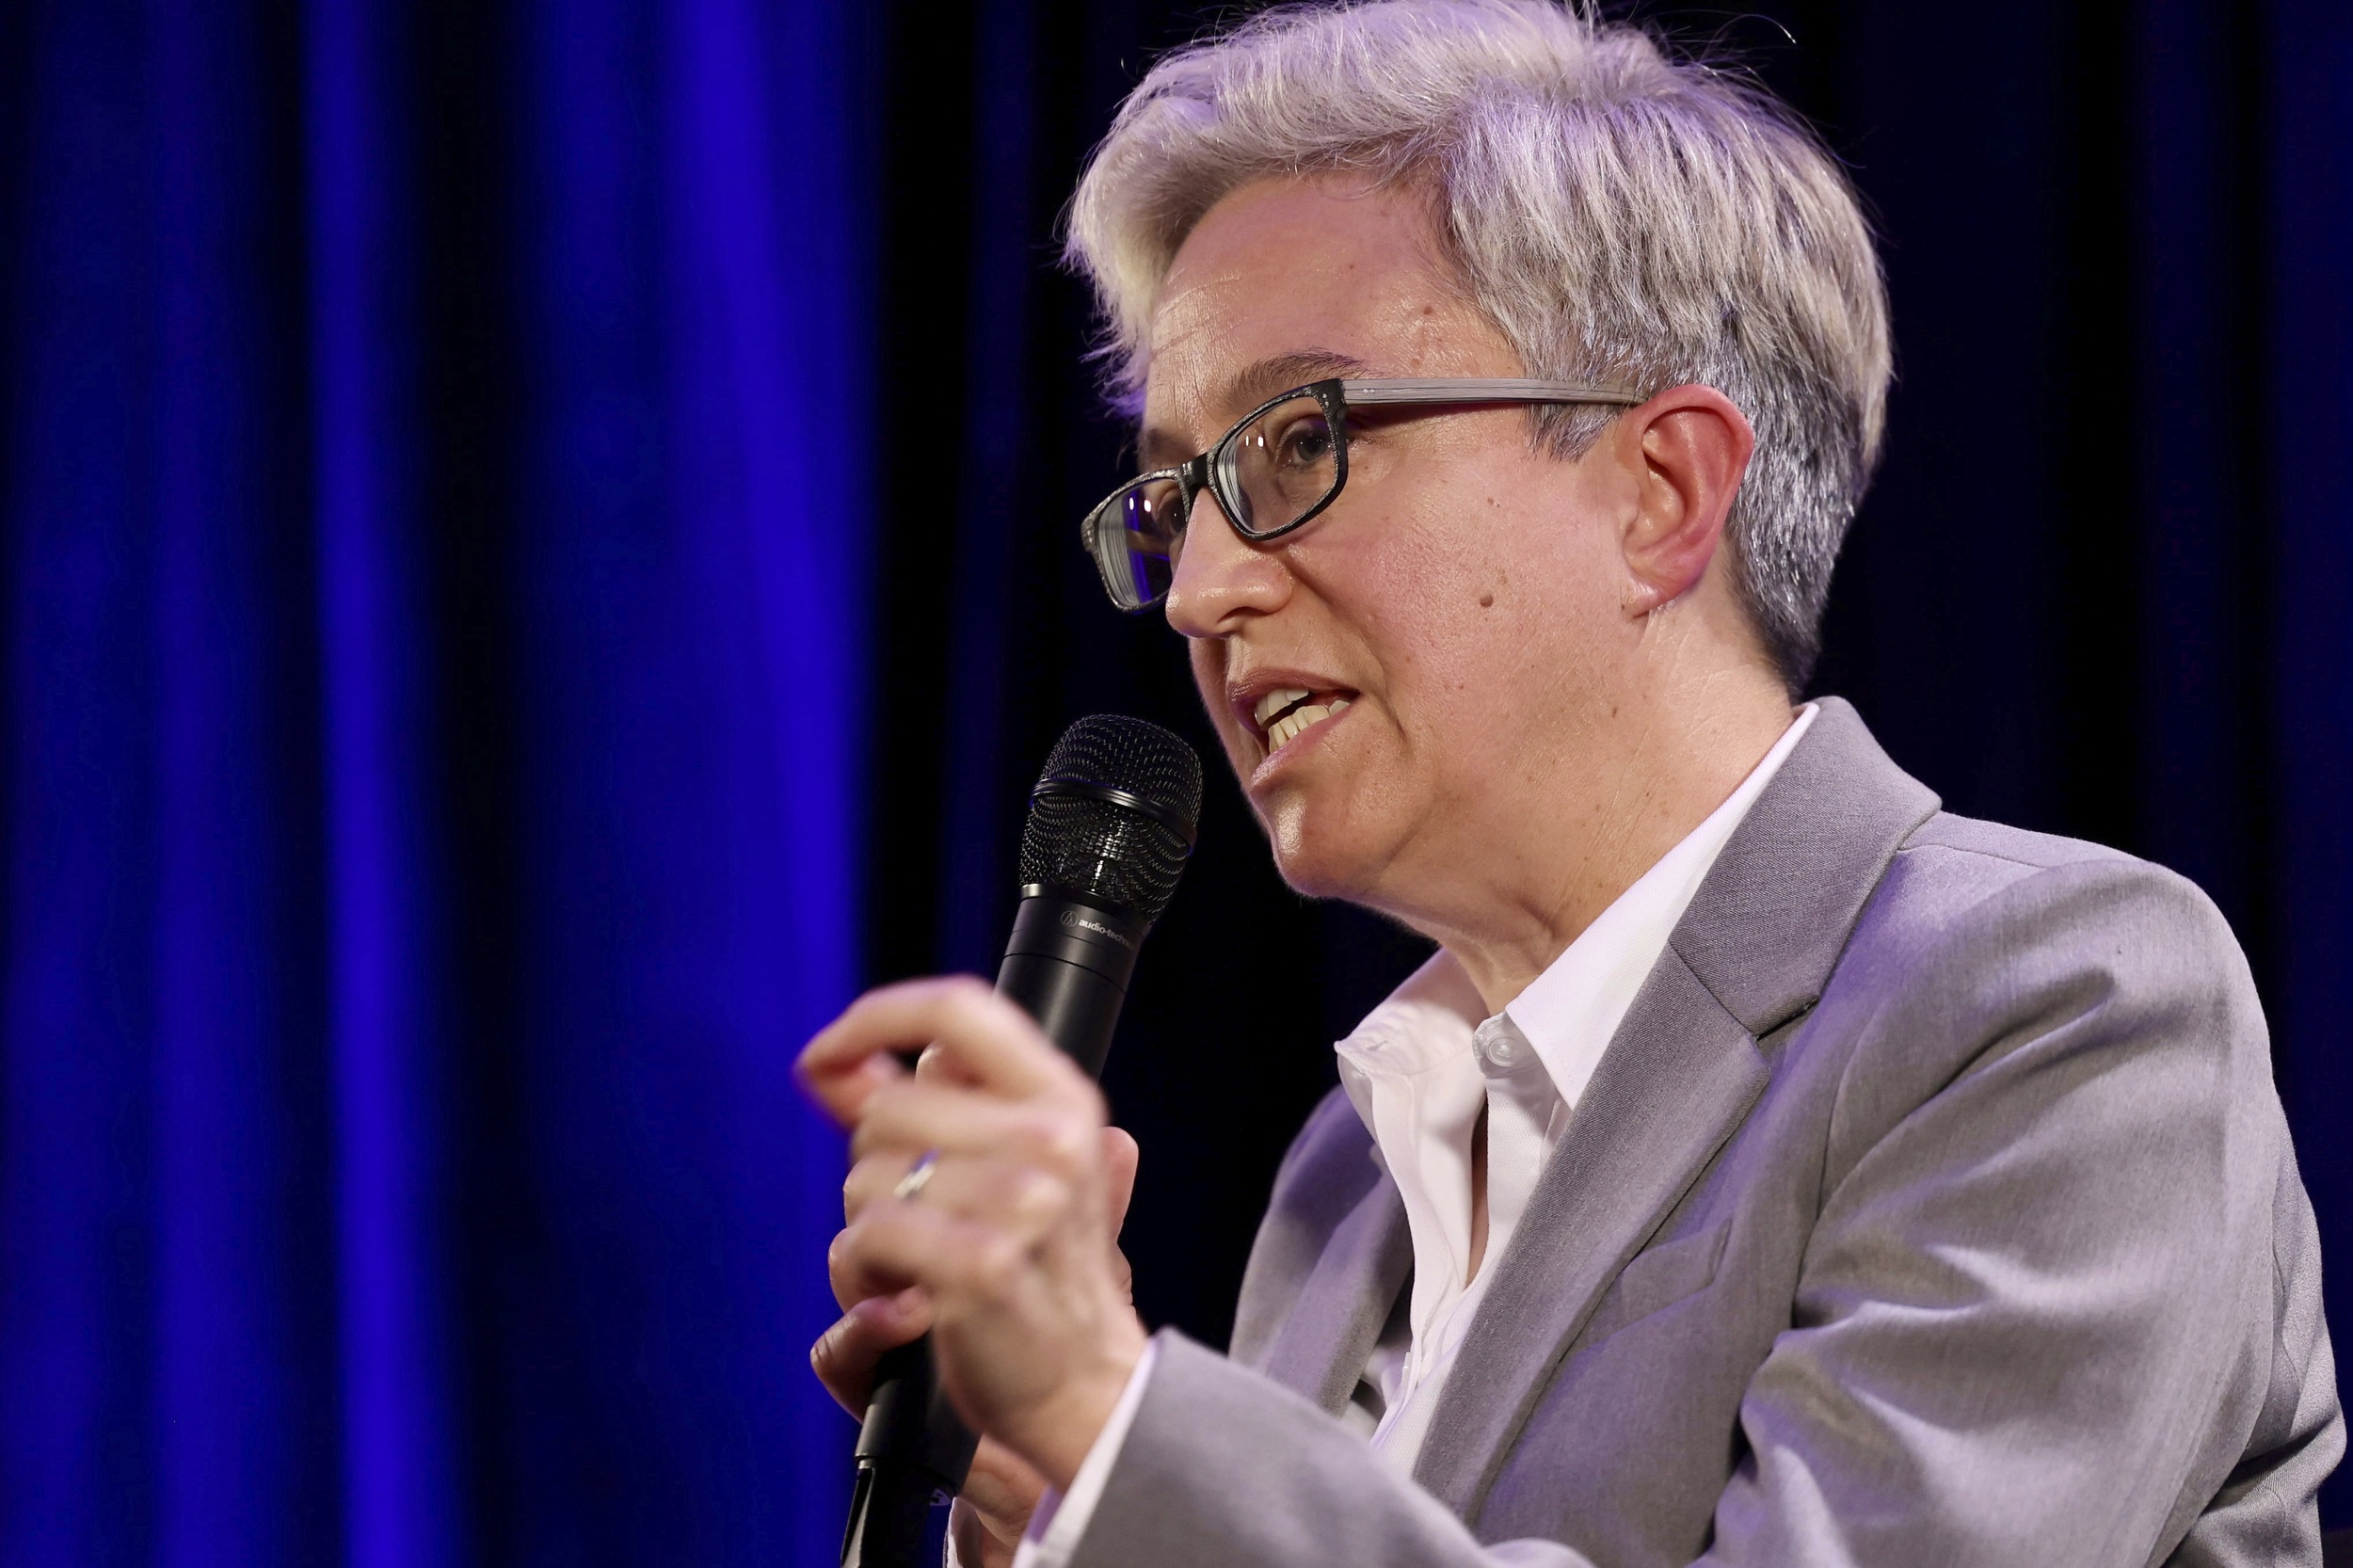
[{"x": 1532, "y": 871}]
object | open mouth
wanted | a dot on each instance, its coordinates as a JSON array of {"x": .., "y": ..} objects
[{"x": 1285, "y": 712}]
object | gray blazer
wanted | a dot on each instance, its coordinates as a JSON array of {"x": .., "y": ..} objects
[{"x": 1932, "y": 1206}]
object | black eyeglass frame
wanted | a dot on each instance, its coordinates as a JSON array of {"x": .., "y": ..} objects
[{"x": 1207, "y": 469}]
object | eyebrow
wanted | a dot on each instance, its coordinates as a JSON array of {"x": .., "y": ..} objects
[{"x": 1254, "y": 384}]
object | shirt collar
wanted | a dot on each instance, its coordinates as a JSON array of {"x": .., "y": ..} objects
[
  {"x": 1423, "y": 1026},
  {"x": 1570, "y": 1011}
]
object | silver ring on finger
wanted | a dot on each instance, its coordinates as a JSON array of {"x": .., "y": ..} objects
[{"x": 918, "y": 1177}]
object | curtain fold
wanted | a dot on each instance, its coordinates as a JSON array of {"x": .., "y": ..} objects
[
  {"x": 383, "y": 866},
  {"x": 433, "y": 562},
  {"x": 454, "y": 742}
]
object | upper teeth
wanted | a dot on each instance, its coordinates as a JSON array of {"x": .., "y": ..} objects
[
  {"x": 1280, "y": 732},
  {"x": 1276, "y": 700}
]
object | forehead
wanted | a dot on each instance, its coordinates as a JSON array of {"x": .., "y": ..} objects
[{"x": 1285, "y": 281}]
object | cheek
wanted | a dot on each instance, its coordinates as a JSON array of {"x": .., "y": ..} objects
[
  {"x": 1488, "y": 619},
  {"x": 1444, "y": 613}
]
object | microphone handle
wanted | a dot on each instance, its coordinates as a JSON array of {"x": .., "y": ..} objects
[{"x": 1068, "y": 965}]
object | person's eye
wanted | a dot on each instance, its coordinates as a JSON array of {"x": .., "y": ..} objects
[
  {"x": 1305, "y": 443},
  {"x": 1157, "y": 512}
]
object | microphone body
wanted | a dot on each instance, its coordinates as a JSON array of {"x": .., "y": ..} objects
[
  {"x": 1067, "y": 966},
  {"x": 1110, "y": 825}
]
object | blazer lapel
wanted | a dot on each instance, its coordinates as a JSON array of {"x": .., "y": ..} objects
[
  {"x": 1675, "y": 1083},
  {"x": 1330, "y": 1332},
  {"x": 1749, "y": 954}
]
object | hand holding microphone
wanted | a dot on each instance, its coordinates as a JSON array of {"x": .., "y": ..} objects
[
  {"x": 1003, "y": 1489},
  {"x": 1010, "y": 1237},
  {"x": 987, "y": 1190}
]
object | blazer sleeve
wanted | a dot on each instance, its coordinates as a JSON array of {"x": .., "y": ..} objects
[
  {"x": 1225, "y": 1467},
  {"x": 2037, "y": 1316}
]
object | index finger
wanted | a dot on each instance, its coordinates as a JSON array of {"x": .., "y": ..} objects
[{"x": 988, "y": 1039}]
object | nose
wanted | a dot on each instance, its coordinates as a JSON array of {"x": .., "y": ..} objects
[{"x": 1222, "y": 579}]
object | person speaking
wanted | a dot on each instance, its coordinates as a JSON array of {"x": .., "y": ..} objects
[{"x": 1770, "y": 1167}]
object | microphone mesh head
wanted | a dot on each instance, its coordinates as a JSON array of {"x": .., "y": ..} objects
[{"x": 1103, "y": 851}]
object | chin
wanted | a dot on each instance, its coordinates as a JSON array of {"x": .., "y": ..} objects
[{"x": 1317, "y": 856}]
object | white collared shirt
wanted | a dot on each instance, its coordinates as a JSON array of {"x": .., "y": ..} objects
[{"x": 1418, "y": 1070}]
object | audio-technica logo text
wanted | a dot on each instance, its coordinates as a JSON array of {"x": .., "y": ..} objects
[{"x": 1073, "y": 920}]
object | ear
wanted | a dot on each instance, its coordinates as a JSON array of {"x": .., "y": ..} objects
[{"x": 1688, "y": 449}]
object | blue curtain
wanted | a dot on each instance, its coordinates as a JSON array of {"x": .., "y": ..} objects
[
  {"x": 454, "y": 742},
  {"x": 434, "y": 444}
]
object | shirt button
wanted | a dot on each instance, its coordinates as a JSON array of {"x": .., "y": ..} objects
[{"x": 1501, "y": 1048}]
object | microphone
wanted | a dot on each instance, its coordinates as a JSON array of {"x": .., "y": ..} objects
[{"x": 1111, "y": 822}]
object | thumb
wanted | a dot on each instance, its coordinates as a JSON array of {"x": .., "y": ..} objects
[{"x": 1120, "y": 1155}]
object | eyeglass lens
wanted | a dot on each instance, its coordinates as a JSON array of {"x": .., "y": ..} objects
[
  {"x": 1136, "y": 535},
  {"x": 1278, "y": 466},
  {"x": 1270, "y": 472}
]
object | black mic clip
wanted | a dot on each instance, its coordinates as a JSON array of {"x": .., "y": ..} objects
[{"x": 913, "y": 1451}]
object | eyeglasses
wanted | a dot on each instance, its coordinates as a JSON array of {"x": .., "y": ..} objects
[{"x": 1273, "y": 470}]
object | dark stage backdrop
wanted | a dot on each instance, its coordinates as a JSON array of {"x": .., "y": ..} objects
[
  {"x": 2103, "y": 585},
  {"x": 435, "y": 447},
  {"x": 536, "y": 549}
]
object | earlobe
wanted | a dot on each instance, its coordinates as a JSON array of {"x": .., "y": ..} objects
[{"x": 1640, "y": 597}]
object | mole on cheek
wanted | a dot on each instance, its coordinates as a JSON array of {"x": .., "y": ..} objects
[{"x": 1486, "y": 602}]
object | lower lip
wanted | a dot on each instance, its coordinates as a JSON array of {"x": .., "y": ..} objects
[{"x": 1299, "y": 742}]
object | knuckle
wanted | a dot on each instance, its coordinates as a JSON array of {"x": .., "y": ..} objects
[
  {"x": 952, "y": 994},
  {"x": 1039, "y": 1198},
  {"x": 919, "y": 988},
  {"x": 1066, "y": 1145},
  {"x": 842, "y": 1253},
  {"x": 1027, "y": 1133},
  {"x": 886, "y": 1108},
  {"x": 868, "y": 1181},
  {"x": 997, "y": 1264}
]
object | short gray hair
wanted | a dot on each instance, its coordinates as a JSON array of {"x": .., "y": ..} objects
[{"x": 1620, "y": 215}]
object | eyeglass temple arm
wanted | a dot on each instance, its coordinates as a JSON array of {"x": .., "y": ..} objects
[{"x": 1481, "y": 388}]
